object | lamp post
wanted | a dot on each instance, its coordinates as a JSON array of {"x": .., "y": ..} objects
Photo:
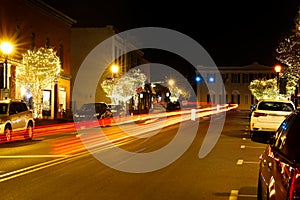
[
  {"x": 171, "y": 82},
  {"x": 6, "y": 49},
  {"x": 114, "y": 70},
  {"x": 277, "y": 70}
]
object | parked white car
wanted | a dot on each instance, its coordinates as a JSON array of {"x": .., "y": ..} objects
[
  {"x": 269, "y": 114},
  {"x": 15, "y": 119}
]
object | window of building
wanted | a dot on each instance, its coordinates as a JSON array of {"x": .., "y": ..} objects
[
  {"x": 18, "y": 31},
  {"x": 246, "y": 78},
  {"x": 61, "y": 55},
  {"x": 224, "y": 77},
  {"x": 246, "y": 100},
  {"x": 222, "y": 99},
  {"x": 115, "y": 52},
  {"x": 32, "y": 41},
  {"x": 235, "y": 78},
  {"x": 214, "y": 98},
  {"x": 47, "y": 42},
  {"x": 208, "y": 100}
]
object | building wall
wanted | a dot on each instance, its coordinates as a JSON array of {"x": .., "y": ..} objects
[
  {"x": 32, "y": 24},
  {"x": 84, "y": 40},
  {"x": 236, "y": 81}
]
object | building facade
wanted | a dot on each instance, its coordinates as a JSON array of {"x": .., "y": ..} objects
[
  {"x": 236, "y": 80},
  {"x": 30, "y": 24},
  {"x": 84, "y": 41}
]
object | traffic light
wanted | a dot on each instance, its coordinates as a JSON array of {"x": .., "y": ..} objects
[
  {"x": 282, "y": 85},
  {"x": 1, "y": 75}
]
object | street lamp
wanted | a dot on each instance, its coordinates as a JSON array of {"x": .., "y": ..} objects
[
  {"x": 277, "y": 70},
  {"x": 6, "y": 49},
  {"x": 114, "y": 70},
  {"x": 171, "y": 82}
]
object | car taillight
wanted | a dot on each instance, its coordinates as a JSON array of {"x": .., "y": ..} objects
[
  {"x": 294, "y": 192},
  {"x": 257, "y": 114}
]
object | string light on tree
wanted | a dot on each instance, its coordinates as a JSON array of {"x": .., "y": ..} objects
[{"x": 40, "y": 69}]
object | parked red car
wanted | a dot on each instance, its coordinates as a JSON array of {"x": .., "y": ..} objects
[{"x": 279, "y": 166}]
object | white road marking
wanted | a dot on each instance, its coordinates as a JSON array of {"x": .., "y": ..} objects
[
  {"x": 244, "y": 139},
  {"x": 256, "y": 147},
  {"x": 234, "y": 195},
  {"x": 35, "y": 156},
  {"x": 251, "y": 162},
  {"x": 243, "y": 146},
  {"x": 248, "y": 195},
  {"x": 240, "y": 162}
]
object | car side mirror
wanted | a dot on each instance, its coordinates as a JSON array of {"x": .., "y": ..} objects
[{"x": 262, "y": 137}]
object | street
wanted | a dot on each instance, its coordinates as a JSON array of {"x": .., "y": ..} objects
[{"x": 59, "y": 164}]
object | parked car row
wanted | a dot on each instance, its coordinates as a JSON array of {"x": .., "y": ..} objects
[
  {"x": 98, "y": 110},
  {"x": 277, "y": 124}
]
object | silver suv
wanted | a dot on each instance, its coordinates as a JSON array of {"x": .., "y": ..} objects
[{"x": 15, "y": 119}]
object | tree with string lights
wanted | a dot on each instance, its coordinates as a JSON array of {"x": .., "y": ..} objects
[
  {"x": 288, "y": 54},
  {"x": 40, "y": 69},
  {"x": 127, "y": 86},
  {"x": 264, "y": 88}
]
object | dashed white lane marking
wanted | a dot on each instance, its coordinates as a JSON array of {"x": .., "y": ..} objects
[
  {"x": 244, "y": 139},
  {"x": 251, "y": 162},
  {"x": 234, "y": 195},
  {"x": 248, "y": 195},
  {"x": 243, "y": 146},
  {"x": 240, "y": 162},
  {"x": 256, "y": 147}
]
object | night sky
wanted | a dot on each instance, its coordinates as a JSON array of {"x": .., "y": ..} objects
[{"x": 233, "y": 33}]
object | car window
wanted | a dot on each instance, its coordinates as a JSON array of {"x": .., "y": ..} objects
[
  {"x": 12, "y": 109},
  {"x": 3, "y": 108},
  {"x": 275, "y": 106},
  {"x": 91, "y": 107},
  {"x": 19, "y": 107},
  {"x": 288, "y": 138},
  {"x": 87, "y": 107},
  {"x": 24, "y": 106}
]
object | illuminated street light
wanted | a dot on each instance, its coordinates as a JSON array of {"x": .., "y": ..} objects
[
  {"x": 277, "y": 70},
  {"x": 171, "y": 82},
  {"x": 6, "y": 49},
  {"x": 114, "y": 70}
]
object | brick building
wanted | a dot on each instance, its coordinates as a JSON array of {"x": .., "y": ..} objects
[{"x": 29, "y": 24}]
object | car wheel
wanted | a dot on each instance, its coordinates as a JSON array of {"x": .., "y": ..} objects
[
  {"x": 7, "y": 134},
  {"x": 29, "y": 132}
]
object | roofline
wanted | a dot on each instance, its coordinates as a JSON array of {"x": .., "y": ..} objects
[{"x": 52, "y": 11}]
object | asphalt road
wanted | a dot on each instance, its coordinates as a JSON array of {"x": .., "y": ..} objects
[{"x": 57, "y": 165}]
